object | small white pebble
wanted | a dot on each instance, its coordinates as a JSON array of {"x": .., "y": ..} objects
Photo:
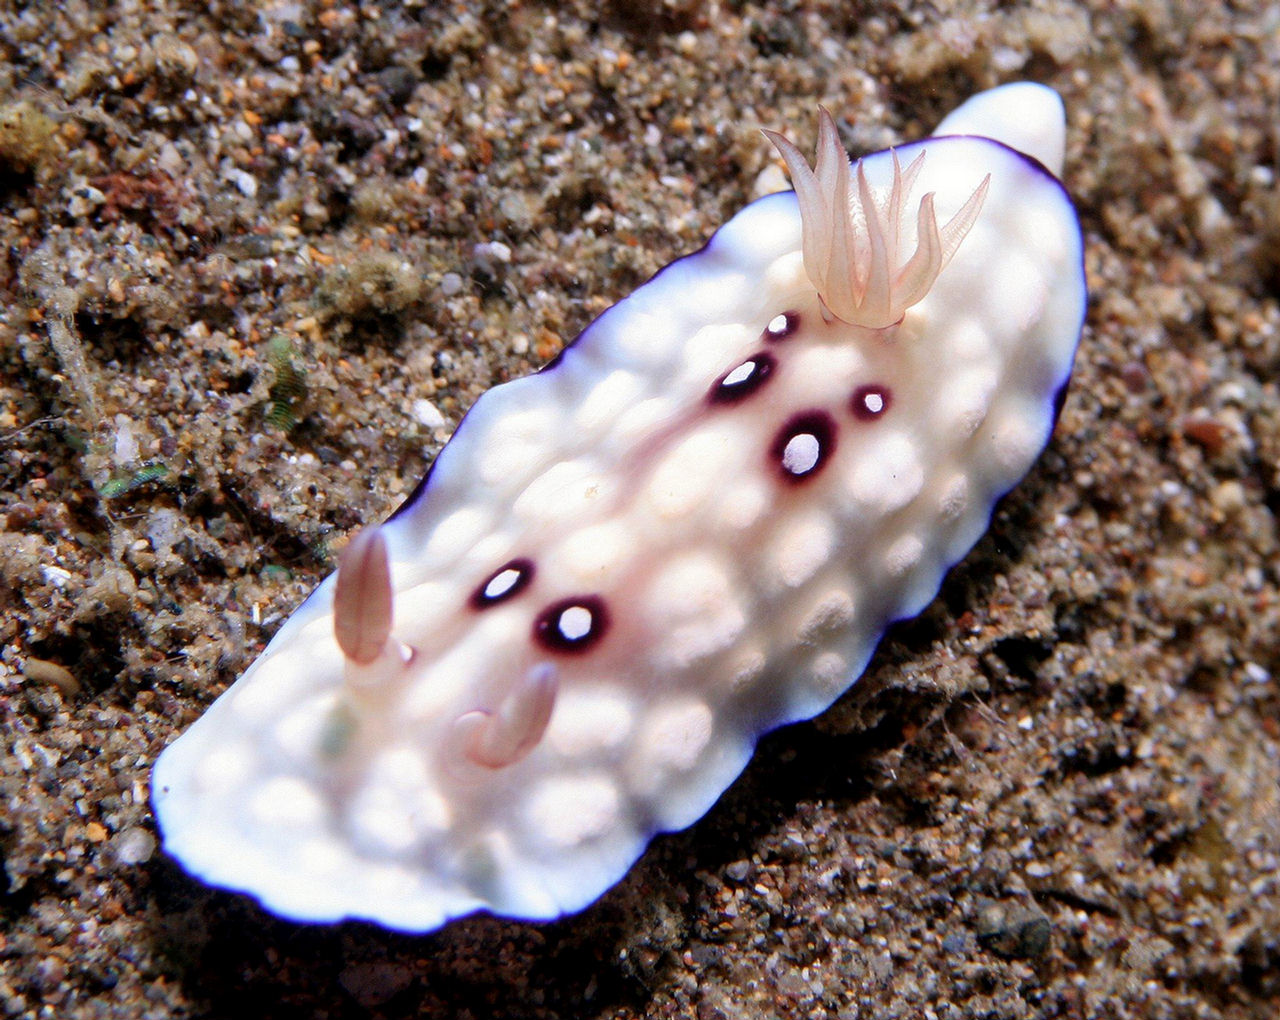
[
  {"x": 1256, "y": 674},
  {"x": 1262, "y": 175},
  {"x": 170, "y": 160},
  {"x": 84, "y": 199},
  {"x": 244, "y": 181},
  {"x": 133, "y": 846},
  {"x": 56, "y": 576},
  {"x": 769, "y": 180},
  {"x": 427, "y": 414},
  {"x": 489, "y": 255},
  {"x": 126, "y": 451},
  {"x": 1229, "y": 497}
]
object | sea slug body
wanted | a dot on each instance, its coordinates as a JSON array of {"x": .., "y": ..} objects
[{"x": 691, "y": 528}]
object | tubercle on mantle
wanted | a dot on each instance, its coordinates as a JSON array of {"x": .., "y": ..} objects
[{"x": 852, "y": 237}]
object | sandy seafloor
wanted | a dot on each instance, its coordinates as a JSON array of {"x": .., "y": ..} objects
[{"x": 243, "y": 244}]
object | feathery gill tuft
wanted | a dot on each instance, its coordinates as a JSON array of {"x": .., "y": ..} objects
[{"x": 852, "y": 238}]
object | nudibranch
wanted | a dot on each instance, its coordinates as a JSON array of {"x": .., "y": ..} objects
[{"x": 691, "y": 528}]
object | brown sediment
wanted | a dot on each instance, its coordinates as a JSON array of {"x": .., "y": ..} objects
[{"x": 1057, "y": 793}]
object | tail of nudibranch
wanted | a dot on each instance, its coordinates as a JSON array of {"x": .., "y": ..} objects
[{"x": 852, "y": 239}]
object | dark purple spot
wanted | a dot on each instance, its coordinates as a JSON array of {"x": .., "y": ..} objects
[
  {"x": 743, "y": 379},
  {"x": 506, "y": 582},
  {"x": 804, "y": 445},
  {"x": 870, "y": 402},
  {"x": 781, "y": 326},
  {"x": 572, "y": 625}
]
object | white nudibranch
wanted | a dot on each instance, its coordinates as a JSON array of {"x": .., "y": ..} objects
[{"x": 691, "y": 528}]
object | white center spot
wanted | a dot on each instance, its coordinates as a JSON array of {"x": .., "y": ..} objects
[
  {"x": 873, "y": 402},
  {"x": 575, "y": 623},
  {"x": 777, "y": 325},
  {"x": 800, "y": 456},
  {"x": 740, "y": 374},
  {"x": 502, "y": 583}
]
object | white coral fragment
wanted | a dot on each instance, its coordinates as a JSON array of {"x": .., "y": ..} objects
[{"x": 853, "y": 240}]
